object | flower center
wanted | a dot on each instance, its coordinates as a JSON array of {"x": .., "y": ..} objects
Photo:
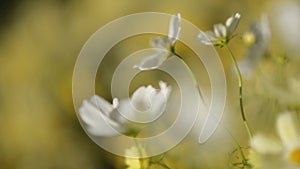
[{"x": 294, "y": 156}]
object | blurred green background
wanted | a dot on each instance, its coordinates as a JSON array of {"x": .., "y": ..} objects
[{"x": 39, "y": 44}]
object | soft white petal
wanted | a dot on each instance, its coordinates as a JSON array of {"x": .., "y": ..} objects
[
  {"x": 161, "y": 43},
  {"x": 127, "y": 109},
  {"x": 146, "y": 103},
  {"x": 97, "y": 123},
  {"x": 265, "y": 145},
  {"x": 101, "y": 104},
  {"x": 174, "y": 29},
  {"x": 207, "y": 38},
  {"x": 287, "y": 131},
  {"x": 115, "y": 103},
  {"x": 220, "y": 30},
  {"x": 141, "y": 98},
  {"x": 166, "y": 90},
  {"x": 158, "y": 105},
  {"x": 152, "y": 61},
  {"x": 159, "y": 100},
  {"x": 232, "y": 23},
  {"x": 211, "y": 35}
]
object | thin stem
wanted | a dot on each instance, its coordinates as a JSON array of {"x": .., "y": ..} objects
[
  {"x": 240, "y": 90},
  {"x": 192, "y": 76},
  {"x": 160, "y": 164},
  {"x": 164, "y": 165},
  {"x": 139, "y": 151},
  {"x": 239, "y": 148}
]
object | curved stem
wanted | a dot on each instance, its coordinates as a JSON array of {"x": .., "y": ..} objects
[
  {"x": 240, "y": 90},
  {"x": 192, "y": 76}
]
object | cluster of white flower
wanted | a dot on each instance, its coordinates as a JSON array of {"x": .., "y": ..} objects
[{"x": 105, "y": 119}]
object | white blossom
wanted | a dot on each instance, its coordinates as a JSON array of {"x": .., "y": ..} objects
[
  {"x": 97, "y": 114},
  {"x": 221, "y": 33},
  {"x": 146, "y": 103},
  {"x": 288, "y": 147},
  {"x": 163, "y": 46},
  {"x": 104, "y": 119}
]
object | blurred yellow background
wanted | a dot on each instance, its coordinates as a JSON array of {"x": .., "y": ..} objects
[{"x": 39, "y": 44}]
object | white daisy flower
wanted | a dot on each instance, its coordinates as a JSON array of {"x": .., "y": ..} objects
[
  {"x": 221, "y": 33},
  {"x": 104, "y": 119},
  {"x": 288, "y": 145},
  {"x": 97, "y": 114},
  {"x": 163, "y": 45},
  {"x": 146, "y": 104}
]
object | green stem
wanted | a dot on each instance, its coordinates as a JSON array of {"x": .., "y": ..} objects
[
  {"x": 139, "y": 151},
  {"x": 240, "y": 90},
  {"x": 164, "y": 165},
  {"x": 239, "y": 148},
  {"x": 192, "y": 76},
  {"x": 160, "y": 164}
]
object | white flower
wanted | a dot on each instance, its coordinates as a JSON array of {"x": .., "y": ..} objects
[
  {"x": 221, "y": 33},
  {"x": 163, "y": 46},
  {"x": 146, "y": 103},
  {"x": 97, "y": 114},
  {"x": 289, "y": 144},
  {"x": 104, "y": 119}
]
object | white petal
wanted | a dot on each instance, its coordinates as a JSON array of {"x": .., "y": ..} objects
[
  {"x": 115, "y": 103},
  {"x": 146, "y": 103},
  {"x": 152, "y": 61},
  {"x": 159, "y": 100},
  {"x": 220, "y": 30},
  {"x": 166, "y": 90},
  {"x": 161, "y": 43},
  {"x": 232, "y": 23},
  {"x": 101, "y": 104},
  {"x": 98, "y": 124},
  {"x": 158, "y": 105},
  {"x": 127, "y": 109},
  {"x": 265, "y": 145},
  {"x": 141, "y": 98},
  {"x": 287, "y": 130},
  {"x": 174, "y": 28},
  {"x": 207, "y": 38}
]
